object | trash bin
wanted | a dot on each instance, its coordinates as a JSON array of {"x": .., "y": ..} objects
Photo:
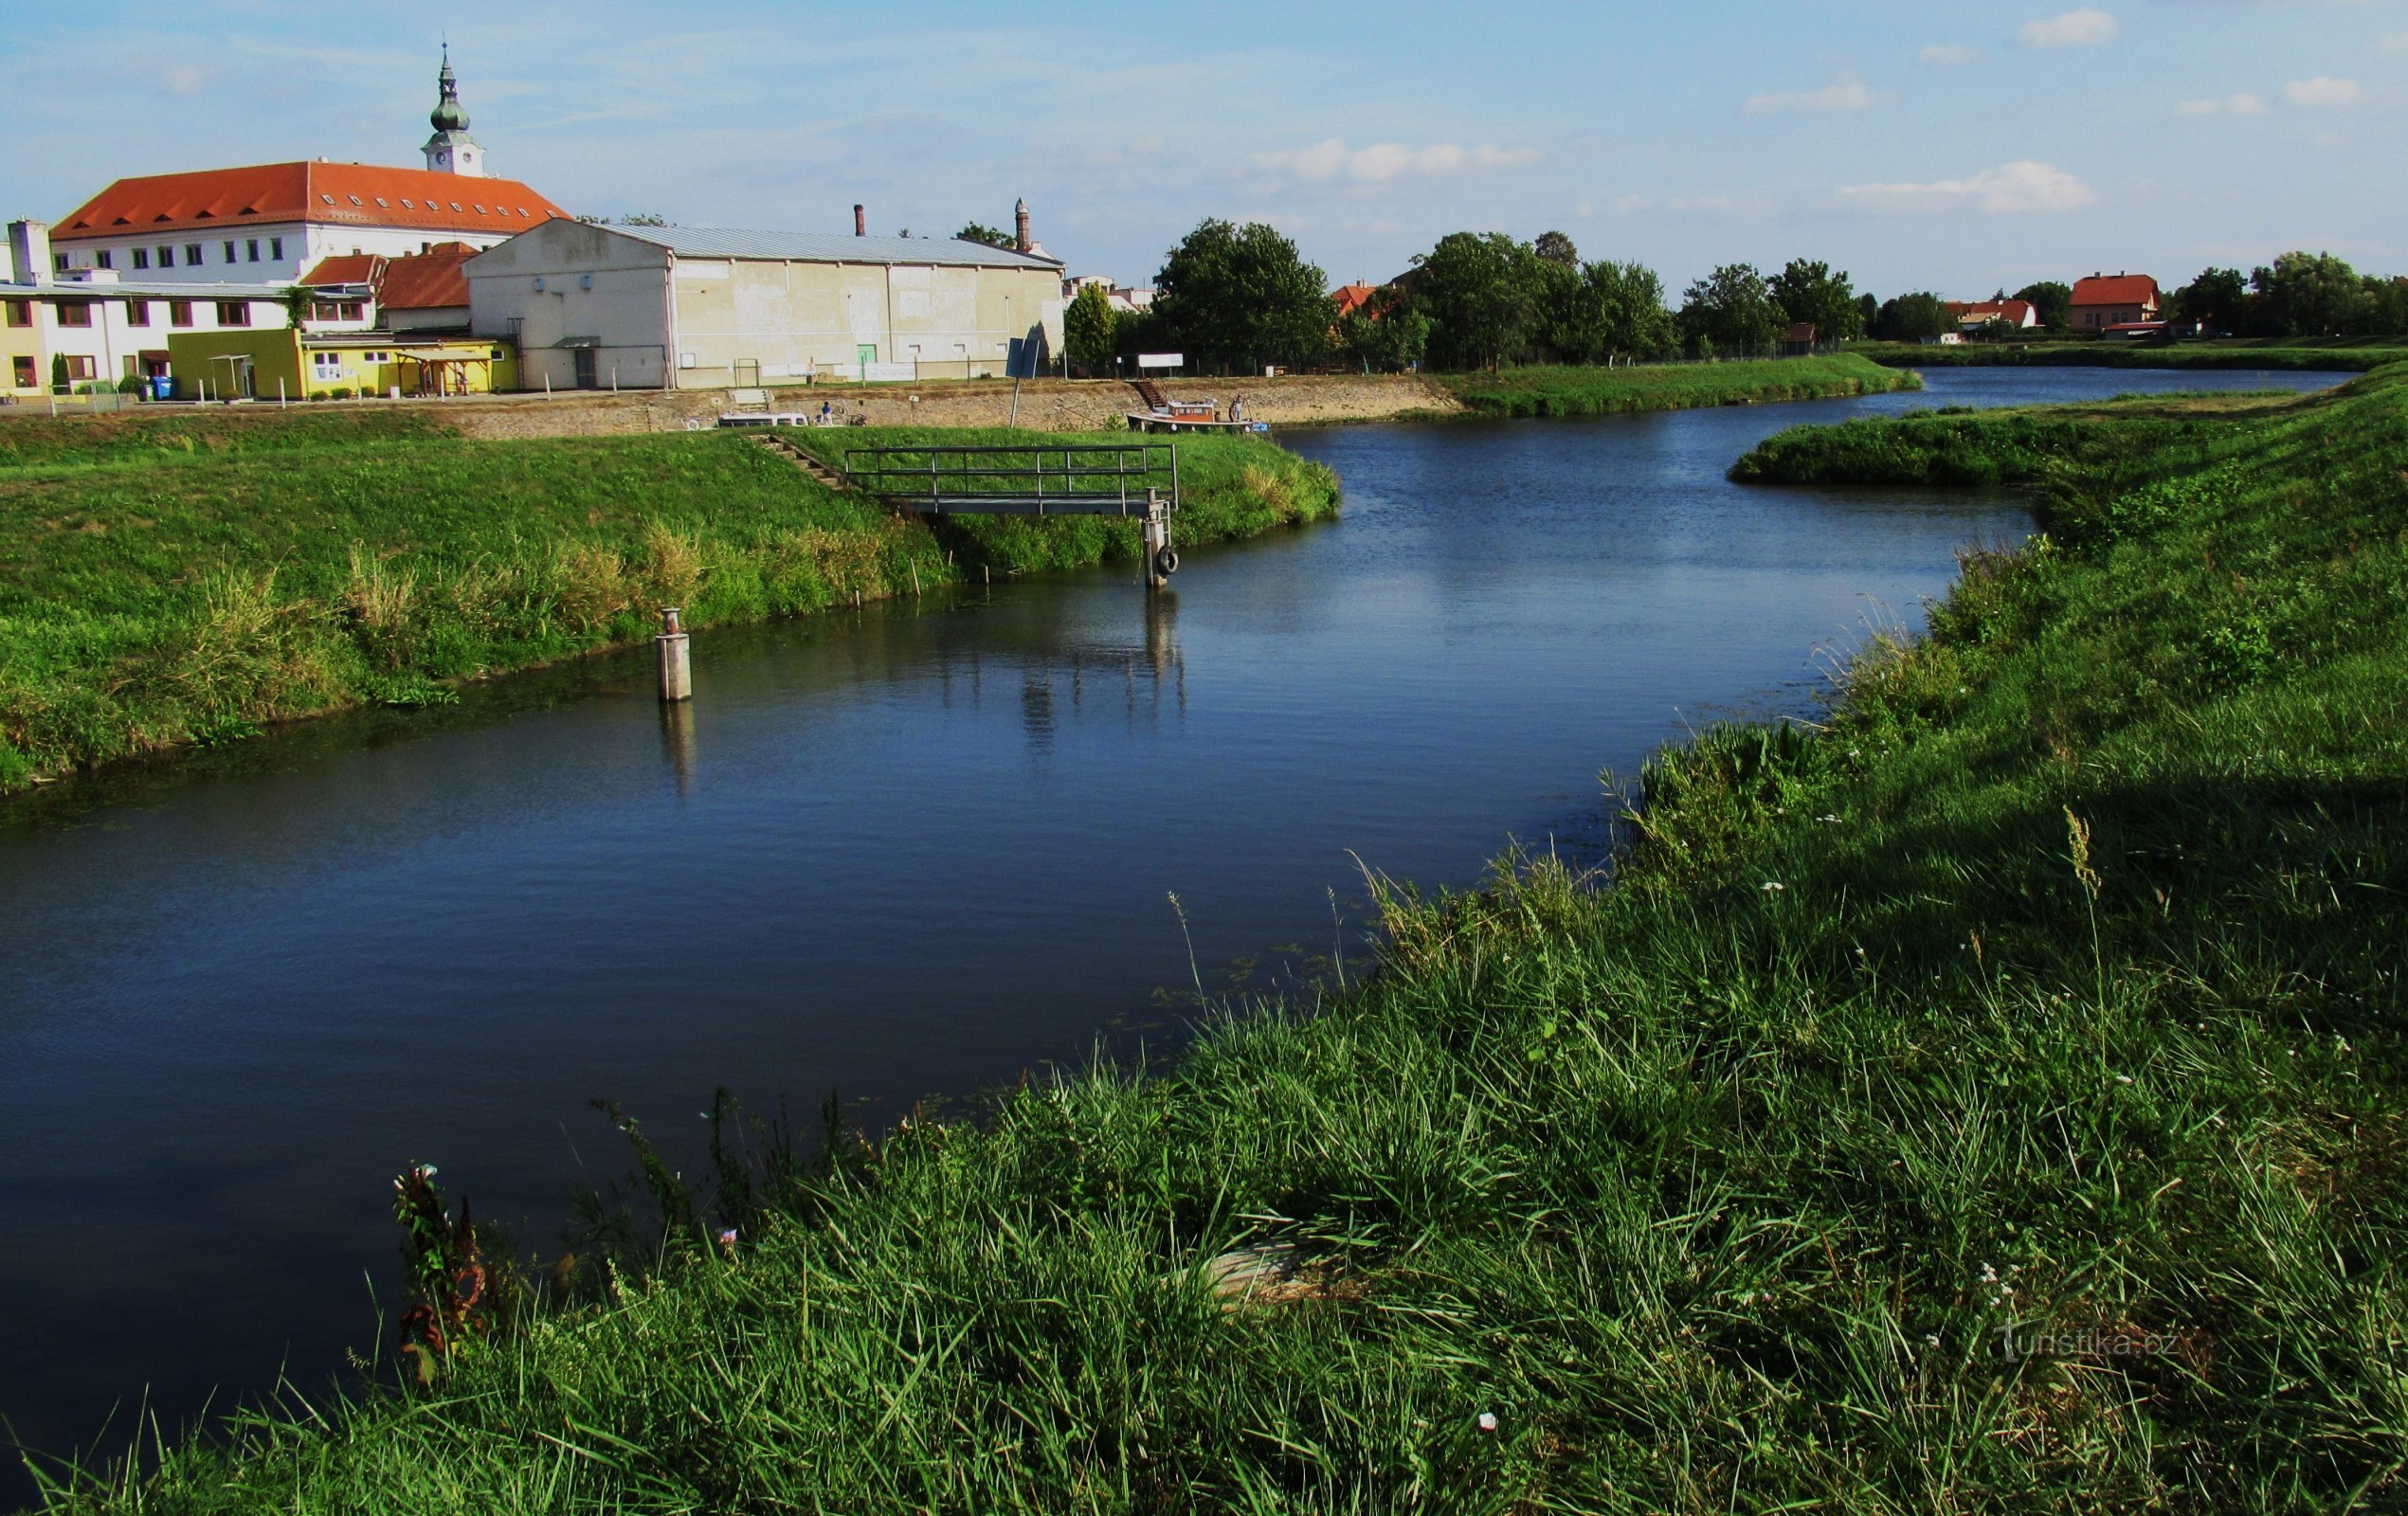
[{"x": 162, "y": 387}]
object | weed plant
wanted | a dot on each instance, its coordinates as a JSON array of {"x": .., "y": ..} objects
[
  {"x": 1987, "y": 1099},
  {"x": 194, "y": 579}
]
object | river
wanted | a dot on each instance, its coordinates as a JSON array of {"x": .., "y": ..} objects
[{"x": 912, "y": 852}]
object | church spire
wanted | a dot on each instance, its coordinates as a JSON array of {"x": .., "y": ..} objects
[{"x": 451, "y": 149}]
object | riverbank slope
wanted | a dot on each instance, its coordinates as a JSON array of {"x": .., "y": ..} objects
[
  {"x": 2327, "y": 355},
  {"x": 1986, "y": 1100},
  {"x": 195, "y": 578}
]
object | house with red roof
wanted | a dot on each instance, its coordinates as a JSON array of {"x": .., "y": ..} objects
[
  {"x": 269, "y": 223},
  {"x": 2104, "y": 301},
  {"x": 1972, "y": 315}
]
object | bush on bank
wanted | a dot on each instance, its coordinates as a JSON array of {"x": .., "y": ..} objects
[
  {"x": 1987, "y": 1100},
  {"x": 199, "y": 578},
  {"x": 1591, "y": 391}
]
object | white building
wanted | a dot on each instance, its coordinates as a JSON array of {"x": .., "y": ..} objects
[
  {"x": 271, "y": 222},
  {"x": 93, "y": 328},
  {"x": 673, "y": 307}
]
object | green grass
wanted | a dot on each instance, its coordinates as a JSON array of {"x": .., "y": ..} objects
[
  {"x": 196, "y": 579},
  {"x": 1987, "y": 1100},
  {"x": 1576, "y": 391},
  {"x": 2341, "y": 355}
]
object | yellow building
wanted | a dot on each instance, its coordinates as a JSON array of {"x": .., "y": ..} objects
[{"x": 317, "y": 365}]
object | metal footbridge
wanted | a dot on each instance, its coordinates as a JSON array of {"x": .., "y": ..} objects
[{"x": 1112, "y": 479}]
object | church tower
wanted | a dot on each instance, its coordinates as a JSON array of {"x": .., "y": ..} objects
[{"x": 451, "y": 149}]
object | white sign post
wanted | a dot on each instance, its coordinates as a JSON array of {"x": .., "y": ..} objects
[{"x": 1159, "y": 360}]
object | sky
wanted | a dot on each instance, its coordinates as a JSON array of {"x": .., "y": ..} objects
[{"x": 1960, "y": 146}]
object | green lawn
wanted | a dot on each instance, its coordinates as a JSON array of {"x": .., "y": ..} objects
[
  {"x": 1988, "y": 1099},
  {"x": 194, "y": 578}
]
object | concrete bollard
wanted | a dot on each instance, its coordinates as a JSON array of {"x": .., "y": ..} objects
[{"x": 676, "y": 668}]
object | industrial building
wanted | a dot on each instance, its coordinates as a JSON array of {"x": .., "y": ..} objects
[{"x": 689, "y": 308}]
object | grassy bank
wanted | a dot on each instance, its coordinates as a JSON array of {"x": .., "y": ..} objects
[
  {"x": 194, "y": 578},
  {"x": 2133, "y": 436},
  {"x": 1572, "y": 391},
  {"x": 1988, "y": 1100},
  {"x": 2341, "y": 355}
]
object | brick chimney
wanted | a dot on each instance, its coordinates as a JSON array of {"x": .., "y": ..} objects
[
  {"x": 1020, "y": 240},
  {"x": 860, "y": 223}
]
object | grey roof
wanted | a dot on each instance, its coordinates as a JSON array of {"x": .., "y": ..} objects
[
  {"x": 829, "y": 248},
  {"x": 146, "y": 290}
]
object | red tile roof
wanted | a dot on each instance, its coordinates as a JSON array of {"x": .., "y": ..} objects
[
  {"x": 352, "y": 194},
  {"x": 432, "y": 280},
  {"x": 2115, "y": 289},
  {"x": 2018, "y": 312},
  {"x": 1353, "y": 298},
  {"x": 344, "y": 269}
]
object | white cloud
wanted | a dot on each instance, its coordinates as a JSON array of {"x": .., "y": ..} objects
[
  {"x": 2242, "y": 104},
  {"x": 1948, "y": 55},
  {"x": 2011, "y": 188},
  {"x": 1850, "y": 95},
  {"x": 1378, "y": 162},
  {"x": 2321, "y": 93},
  {"x": 2085, "y": 28}
]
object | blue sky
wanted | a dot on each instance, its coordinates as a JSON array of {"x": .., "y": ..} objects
[{"x": 1959, "y": 147}]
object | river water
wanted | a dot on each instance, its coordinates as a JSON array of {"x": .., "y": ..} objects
[{"x": 912, "y": 852}]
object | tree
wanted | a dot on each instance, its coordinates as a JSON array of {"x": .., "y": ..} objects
[
  {"x": 1913, "y": 317},
  {"x": 1483, "y": 292},
  {"x": 975, "y": 232},
  {"x": 2309, "y": 295},
  {"x": 1384, "y": 335},
  {"x": 2387, "y": 306},
  {"x": 1630, "y": 301},
  {"x": 1730, "y": 311},
  {"x": 2218, "y": 298},
  {"x": 1868, "y": 311},
  {"x": 1243, "y": 293},
  {"x": 2050, "y": 301},
  {"x": 1087, "y": 327},
  {"x": 1811, "y": 292},
  {"x": 59, "y": 383},
  {"x": 1554, "y": 247}
]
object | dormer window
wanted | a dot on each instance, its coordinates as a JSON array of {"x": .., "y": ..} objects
[
  {"x": 407, "y": 206},
  {"x": 356, "y": 200},
  {"x": 381, "y": 205},
  {"x": 328, "y": 199},
  {"x": 480, "y": 210}
]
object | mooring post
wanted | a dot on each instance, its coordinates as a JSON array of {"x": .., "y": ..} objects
[
  {"x": 677, "y": 669},
  {"x": 1160, "y": 560}
]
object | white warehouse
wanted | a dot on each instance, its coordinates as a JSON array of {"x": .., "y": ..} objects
[{"x": 687, "y": 308}]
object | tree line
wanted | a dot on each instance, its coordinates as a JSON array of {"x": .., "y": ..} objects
[{"x": 1243, "y": 296}]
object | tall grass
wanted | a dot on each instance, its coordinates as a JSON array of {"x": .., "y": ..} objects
[
  {"x": 2346, "y": 355},
  {"x": 1577, "y": 391},
  {"x": 1986, "y": 1099},
  {"x": 155, "y": 595}
]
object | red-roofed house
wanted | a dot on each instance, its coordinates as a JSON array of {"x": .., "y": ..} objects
[
  {"x": 1353, "y": 298},
  {"x": 269, "y": 221},
  {"x": 1982, "y": 313},
  {"x": 2104, "y": 301}
]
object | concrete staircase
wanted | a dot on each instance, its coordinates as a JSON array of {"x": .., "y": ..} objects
[{"x": 803, "y": 459}]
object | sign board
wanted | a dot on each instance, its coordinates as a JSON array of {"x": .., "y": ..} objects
[{"x": 1160, "y": 360}]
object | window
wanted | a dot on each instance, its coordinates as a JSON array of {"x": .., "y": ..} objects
[
  {"x": 23, "y": 373},
  {"x": 179, "y": 313},
  {"x": 21, "y": 313},
  {"x": 234, "y": 313},
  {"x": 407, "y": 206},
  {"x": 82, "y": 368},
  {"x": 325, "y": 367},
  {"x": 104, "y": 258},
  {"x": 251, "y": 251},
  {"x": 167, "y": 256},
  {"x": 137, "y": 313},
  {"x": 60, "y": 259},
  {"x": 229, "y": 252},
  {"x": 376, "y": 357},
  {"x": 355, "y": 199},
  {"x": 192, "y": 254},
  {"x": 141, "y": 258},
  {"x": 75, "y": 313},
  {"x": 276, "y": 248},
  {"x": 381, "y": 204}
]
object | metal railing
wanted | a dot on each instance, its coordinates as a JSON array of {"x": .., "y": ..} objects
[{"x": 1086, "y": 479}]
